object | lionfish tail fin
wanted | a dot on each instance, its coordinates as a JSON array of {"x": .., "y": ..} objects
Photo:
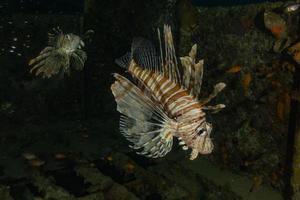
[
  {"x": 124, "y": 60},
  {"x": 143, "y": 122}
]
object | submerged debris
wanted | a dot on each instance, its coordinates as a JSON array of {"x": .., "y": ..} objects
[{"x": 4, "y": 193}]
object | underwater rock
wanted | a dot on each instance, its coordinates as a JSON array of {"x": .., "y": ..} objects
[
  {"x": 49, "y": 189},
  {"x": 144, "y": 182},
  {"x": 99, "y": 182},
  {"x": 4, "y": 193}
]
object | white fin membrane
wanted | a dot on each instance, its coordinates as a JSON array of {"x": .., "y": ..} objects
[{"x": 143, "y": 122}]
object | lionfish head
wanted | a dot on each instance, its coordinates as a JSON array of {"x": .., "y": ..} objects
[
  {"x": 71, "y": 42},
  {"x": 202, "y": 143}
]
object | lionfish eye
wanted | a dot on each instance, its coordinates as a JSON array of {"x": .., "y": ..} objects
[{"x": 200, "y": 130}]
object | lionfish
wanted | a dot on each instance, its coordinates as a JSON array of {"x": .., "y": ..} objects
[
  {"x": 63, "y": 51},
  {"x": 163, "y": 104}
]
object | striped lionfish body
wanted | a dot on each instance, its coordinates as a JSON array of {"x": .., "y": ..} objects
[{"x": 161, "y": 105}]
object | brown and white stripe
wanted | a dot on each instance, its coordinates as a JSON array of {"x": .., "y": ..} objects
[{"x": 176, "y": 101}]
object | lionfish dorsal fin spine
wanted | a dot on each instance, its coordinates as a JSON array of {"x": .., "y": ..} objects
[
  {"x": 168, "y": 57},
  {"x": 192, "y": 72},
  {"x": 144, "y": 54}
]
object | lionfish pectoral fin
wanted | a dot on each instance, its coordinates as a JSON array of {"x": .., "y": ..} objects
[
  {"x": 143, "y": 122},
  {"x": 43, "y": 55},
  {"x": 50, "y": 63}
]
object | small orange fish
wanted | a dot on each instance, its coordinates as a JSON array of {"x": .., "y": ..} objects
[
  {"x": 60, "y": 156},
  {"x": 283, "y": 105},
  {"x": 275, "y": 23},
  {"x": 109, "y": 158},
  {"x": 36, "y": 162},
  {"x": 234, "y": 69},
  {"x": 277, "y": 31},
  {"x": 280, "y": 110},
  {"x": 129, "y": 167},
  {"x": 246, "y": 80}
]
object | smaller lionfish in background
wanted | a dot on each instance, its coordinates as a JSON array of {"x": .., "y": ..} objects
[
  {"x": 63, "y": 51},
  {"x": 163, "y": 104}
]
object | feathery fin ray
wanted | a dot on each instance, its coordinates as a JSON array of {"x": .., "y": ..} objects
[{"x": 143, "y": 123}]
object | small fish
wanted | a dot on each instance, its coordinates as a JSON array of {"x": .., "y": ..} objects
[
  {"x": 162, "y": 105},
  {"x": 276, "y": 24},
  {"x": 60, "y": 156},
  {"x": 36, "y": 162},
  {"x": 234, "y": 69},
  {"x": 291, "y": 8},
  {"x": 29, "y": 156},
  {"x": 63, "y": 51},
  {"x": 246, "y": 80}
]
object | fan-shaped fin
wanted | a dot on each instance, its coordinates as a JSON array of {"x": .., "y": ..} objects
[
  {"x": 144, "y": 123},
  {"x": 153, "y": 140},
  {"x": 51, "y": 64}
]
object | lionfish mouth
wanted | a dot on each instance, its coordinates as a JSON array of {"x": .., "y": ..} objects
[{"x": 69, "y": 50}]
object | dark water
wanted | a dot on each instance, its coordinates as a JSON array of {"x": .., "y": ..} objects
[
  {"x": 227, "y": 3},
  {"x": 70, "y": 124}
]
